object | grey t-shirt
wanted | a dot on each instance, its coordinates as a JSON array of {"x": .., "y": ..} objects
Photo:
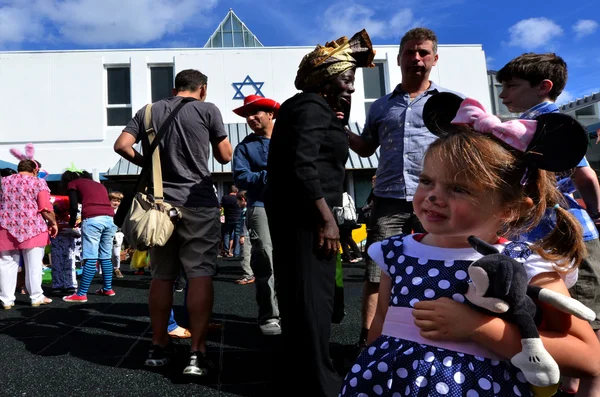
[{"x": 184, "y": 149}]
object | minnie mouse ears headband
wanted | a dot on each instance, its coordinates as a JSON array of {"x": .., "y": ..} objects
[{"x": 552, "y": 142}]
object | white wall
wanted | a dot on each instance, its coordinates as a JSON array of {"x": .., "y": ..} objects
[{"x": 57, "y": 100}]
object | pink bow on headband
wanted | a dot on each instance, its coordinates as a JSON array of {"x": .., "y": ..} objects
[{"x": 515, "y": 133}]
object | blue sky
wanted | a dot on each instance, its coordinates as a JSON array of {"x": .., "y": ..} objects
[{"x": 505, "y": 28}]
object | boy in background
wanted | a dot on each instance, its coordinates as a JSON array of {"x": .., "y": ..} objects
[
  {"x": 530, "y": 84},
  {"x": 115, "y": 200},
  {"x": 242, "y": 231}
]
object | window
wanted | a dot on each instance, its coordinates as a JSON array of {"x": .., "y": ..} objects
[
  {"x": 118, "y": 109},
  {"x": 588, "y": 111},
  {"x": 161, "y": 80},
  {"x": 374, "y": 83}
]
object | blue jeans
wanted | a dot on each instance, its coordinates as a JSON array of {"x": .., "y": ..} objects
[
  {"x": 97, "y": 237},
  {"x": 172, "y": 325}
]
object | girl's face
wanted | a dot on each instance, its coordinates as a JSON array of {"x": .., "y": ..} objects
[{"x": 451, "y": 209}]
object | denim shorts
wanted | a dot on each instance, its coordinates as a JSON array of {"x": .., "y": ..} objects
[
  {"x": 389, "y": 217},
  {"x": 97, "y": 235}
]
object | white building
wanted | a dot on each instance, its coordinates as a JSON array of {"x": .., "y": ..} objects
[{"x": 73, "y": 104}]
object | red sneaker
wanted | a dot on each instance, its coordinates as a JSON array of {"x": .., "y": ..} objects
[
  {"x": 104, "y": 292},
  {"x": 75, "y": 298}
]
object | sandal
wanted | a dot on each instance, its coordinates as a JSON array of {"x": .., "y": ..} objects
[
  {"x": 180, "y": 333},
  {"x": 44, "y": 301}
]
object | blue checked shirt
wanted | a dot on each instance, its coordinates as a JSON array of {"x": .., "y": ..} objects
[
  {"x": 395, "y": 123},
  {"x": 566, "y": 187}
]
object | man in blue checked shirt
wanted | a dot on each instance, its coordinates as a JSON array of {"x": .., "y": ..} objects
[{"x": 395, "y": 125}]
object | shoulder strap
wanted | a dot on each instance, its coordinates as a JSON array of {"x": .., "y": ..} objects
[{"x": 154, "y": 139}]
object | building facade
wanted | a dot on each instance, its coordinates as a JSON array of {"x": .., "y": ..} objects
[{"x": 73, "y": 104}]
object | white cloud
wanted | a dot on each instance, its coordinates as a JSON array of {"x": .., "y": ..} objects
[
  {"x": 564, "y": 97},
  {"x": 533, "y": 33},
  {"x": 489, "y": 61},
  {"x": 92, "y": 22},
  {"x": 343, "y": 19},
  {"x": 585, "y": 27}
]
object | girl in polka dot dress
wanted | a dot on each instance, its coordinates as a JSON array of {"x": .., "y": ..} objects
[{"x": 425, "y": 339}]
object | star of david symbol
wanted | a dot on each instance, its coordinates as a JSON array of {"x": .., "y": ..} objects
[{"x": 247, "y": 82}]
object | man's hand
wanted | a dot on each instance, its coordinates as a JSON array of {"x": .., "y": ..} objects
[
  {"x": 242, "y": 238},
  {"x": 446, "y": 320}
]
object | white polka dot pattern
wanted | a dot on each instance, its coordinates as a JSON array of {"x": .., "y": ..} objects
[{"x": 395, "y": 367}]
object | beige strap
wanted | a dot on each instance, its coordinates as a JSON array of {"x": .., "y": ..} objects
[{"x": 156, "y": 170}]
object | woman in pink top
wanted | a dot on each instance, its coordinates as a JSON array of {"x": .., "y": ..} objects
[{"x": 24, "y": 209}]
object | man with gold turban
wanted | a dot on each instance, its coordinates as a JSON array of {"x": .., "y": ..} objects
[{"x": 306, "y": 167}]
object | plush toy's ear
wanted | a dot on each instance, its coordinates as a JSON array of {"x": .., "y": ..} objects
[
  {"x": 29, "y": 151},
  {"x": 481, "y": 246},
  {"x": 439, "y": 111},
  {"x": 559, "y": 144}
]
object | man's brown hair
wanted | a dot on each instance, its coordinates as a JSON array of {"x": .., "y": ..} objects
[
  {"x": 419, "y": 34},
  {"x": 536, "y": 68}
]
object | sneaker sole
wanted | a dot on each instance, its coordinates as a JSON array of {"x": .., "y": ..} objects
[
  {"x": 271, "y": 333},
  {"x": 78, "y": 301},
  {"x": 195, "y": 371},
  {"x": 155, "y": 362}
]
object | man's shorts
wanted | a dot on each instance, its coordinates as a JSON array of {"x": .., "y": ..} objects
[
  {"x": 389, "y": 217},
  {"x": 587, "y": 288},
  {"x": 194, "y": 246}
]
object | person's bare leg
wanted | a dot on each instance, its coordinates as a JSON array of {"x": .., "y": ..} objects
[
  {"x": 369, "y": 303},
  {"x": 160, "y": 302},
  {"x": 584, "y": 386},
  {"x": 199, "y": 305}
]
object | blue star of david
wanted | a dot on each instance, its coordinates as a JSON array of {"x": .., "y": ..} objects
[{"x": 247, "y": 82}]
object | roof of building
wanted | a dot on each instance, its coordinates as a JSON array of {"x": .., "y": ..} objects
[
  {"x": 232, "y": 32},
  {"x": 6, "y": 164},
  {"x": 237, "y": 132},
  {"x": 580, "y": 102}
]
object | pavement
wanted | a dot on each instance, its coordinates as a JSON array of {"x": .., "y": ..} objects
[{"x": 99, "y": 347}]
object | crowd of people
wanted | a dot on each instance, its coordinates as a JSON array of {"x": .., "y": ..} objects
[{"x": 448, "y": 171}]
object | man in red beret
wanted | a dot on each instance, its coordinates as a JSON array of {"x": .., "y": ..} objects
[{"x": 250, "y": 174}]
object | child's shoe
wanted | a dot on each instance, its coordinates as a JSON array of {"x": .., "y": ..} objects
[
  {"x": 75, "y": 298},
  {"x": 104, "y": 292}
]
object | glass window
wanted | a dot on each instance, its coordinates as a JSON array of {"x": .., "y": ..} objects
[
  {"x": 586, "y": 111},
  {"x": 237, "y": 26},
  {"x": 119, "y": 86},
  {"x": 118, "y": 107},
  {"x": 161, "y": 79},
  {"x": 238, "y": 40},
  {"x": 367, "y": 106},
  {"x": 227, "y": 25},
  {"x": 374, "y": 80},
  {"x": 118, "y": 116},
  {"x": 228, "y": 40},
  {"x": 216, "y": 41}
]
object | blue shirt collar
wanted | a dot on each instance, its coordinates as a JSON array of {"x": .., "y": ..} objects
[
  {"x": 399, "y": 91},
  {"x": 541, "y": 108}
]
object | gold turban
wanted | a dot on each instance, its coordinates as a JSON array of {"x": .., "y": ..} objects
[{"x": 336, "y": 57}]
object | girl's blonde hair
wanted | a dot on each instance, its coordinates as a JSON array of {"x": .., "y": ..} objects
[{"x": 493, "y": 166}]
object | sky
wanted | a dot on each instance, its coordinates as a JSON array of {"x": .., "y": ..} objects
[{"x": 505, "y": 28}]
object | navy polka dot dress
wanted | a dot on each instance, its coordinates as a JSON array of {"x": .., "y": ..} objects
[{"x": 394, "y": 367}]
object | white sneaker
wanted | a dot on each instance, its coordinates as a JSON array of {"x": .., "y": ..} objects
[{"x": 272, "y": 327}]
